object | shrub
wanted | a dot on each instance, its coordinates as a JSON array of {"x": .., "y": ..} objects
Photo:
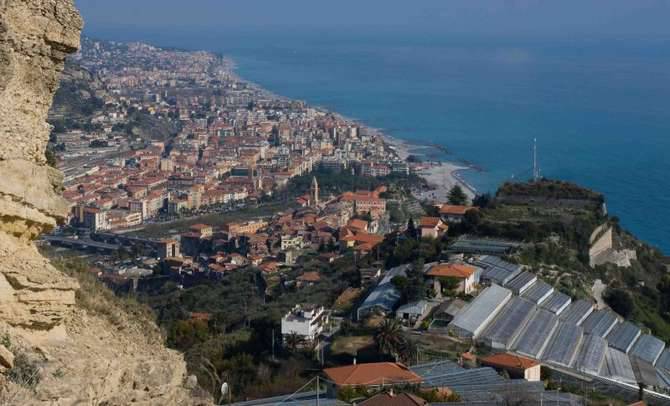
[
  {"x": 25, "y": 372},
  {"x": 620, "y": 301}
]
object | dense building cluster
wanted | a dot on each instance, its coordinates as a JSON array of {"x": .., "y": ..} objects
[{"x": 233, "y": 140}]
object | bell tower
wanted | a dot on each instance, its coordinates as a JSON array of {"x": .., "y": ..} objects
[{"x": 314, "y": 193}]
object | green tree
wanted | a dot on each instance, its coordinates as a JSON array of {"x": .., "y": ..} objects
[
  {"x": 411, "y": 229},
  {"x": 400, "y": 282},
  {"x": 396, "y": 215},
  {"x": 620, "y": 301},
  {"x": 457, "y": 196},
  {"x": 50, "y": 157},
  {"x": 482, "y": 201},
  {"x": 186, "y": 333},
  {"x": 240, "y": 373},
  {"x": 389, "y": 338},
  {"x": 664, "y": 290},
  {"x": 449, "y": 283}
]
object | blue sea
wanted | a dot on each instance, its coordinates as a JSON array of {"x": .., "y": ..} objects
[{"x": 599, "y": 109}]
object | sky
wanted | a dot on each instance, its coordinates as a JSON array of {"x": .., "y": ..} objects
[{"x": 525, "y": 18}]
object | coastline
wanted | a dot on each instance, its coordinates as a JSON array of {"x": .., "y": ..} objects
[{"x": 442, "y": 175}]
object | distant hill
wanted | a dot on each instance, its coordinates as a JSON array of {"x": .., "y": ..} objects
[
  {"x": 78, "y": 96},
  {"x": 81, "y": 97}
]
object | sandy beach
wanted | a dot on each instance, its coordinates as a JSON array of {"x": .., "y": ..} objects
[
  {"x": 444, "y": 176},
  {"x": 441, "y": 175},
  {"x": 399, "y": 146}
]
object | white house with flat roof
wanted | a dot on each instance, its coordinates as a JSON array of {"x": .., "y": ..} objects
[{"x": 307, "y": 321}]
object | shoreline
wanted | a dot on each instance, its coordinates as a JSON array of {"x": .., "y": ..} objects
[{"x": 442, "y": 175}]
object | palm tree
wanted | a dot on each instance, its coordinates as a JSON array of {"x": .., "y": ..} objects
[
  {"x": 408, "y": 351},
  {"x": 389, "y": 338}
]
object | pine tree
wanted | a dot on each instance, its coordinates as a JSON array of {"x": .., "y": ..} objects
[
  {"x": 457, "y": 196},
  {"x": 411, "y": 229}
]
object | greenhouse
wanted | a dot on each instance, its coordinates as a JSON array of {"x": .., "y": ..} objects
[
  {"x": 648, "y": 348},
  {"x": 497, "y": 270},
  {"x": 563, "y": 345},
  {"x": 600, "y": 322},
  {"x": 522, "y": 282},
  {"x": 535, "y": 337},
  {"x": 539, "y": 292},
  {"x": 591, "y": 354},
  {"x": 577, "y": 312},
  {"x": 472, "y": 319},
  {"x": 503, "y": 330},
  {"x": 557, "y": 302},
  {"x": 664, "y": 360},
  {"x": 623, "y": 336},
  {"x": 617, "y": 366}
]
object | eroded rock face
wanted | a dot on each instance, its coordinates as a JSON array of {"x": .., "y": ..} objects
[
  {"x": 35, "y": 38},
  {"x": 83, "y": 358}
]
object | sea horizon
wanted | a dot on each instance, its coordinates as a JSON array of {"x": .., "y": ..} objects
[{"x": 595, "y": 106}]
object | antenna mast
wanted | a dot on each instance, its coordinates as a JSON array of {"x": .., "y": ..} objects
[{"x": 536, "y": 171}]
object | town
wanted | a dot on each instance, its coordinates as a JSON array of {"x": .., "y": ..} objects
[{"x": 273, "y": 238}]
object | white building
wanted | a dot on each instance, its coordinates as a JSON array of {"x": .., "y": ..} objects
[
  {"x": 307, "y": 321},
  {"x": 95, "y": 219},
  {"x": 291, "y": 243}
]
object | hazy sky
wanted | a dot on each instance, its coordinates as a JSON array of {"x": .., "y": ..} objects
[{"x": 555, "y": 18}]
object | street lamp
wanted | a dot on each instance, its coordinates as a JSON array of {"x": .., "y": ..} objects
[{"x": 225, "y": 391}]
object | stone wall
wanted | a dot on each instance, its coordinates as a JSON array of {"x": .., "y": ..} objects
[
  {"x": 601, "y": 250},
  {"x": 601, "y": 240}
]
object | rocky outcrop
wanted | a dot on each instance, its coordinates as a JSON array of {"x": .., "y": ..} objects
[
  {"x": 35, "y": 37},
  {"x": 81, "y": 357}
]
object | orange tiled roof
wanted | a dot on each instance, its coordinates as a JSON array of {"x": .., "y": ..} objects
[
  {"x": 507, "y": 360},
  {"x": 451, "y": 270},
  {"x": 200, "y": 316},
  {"x": 358, "y": 224},
  {"x": 368, "y": 238},
  {"x": 468, "y": 356},
  {"x": 310, "y": 277},
  {"x": 429, "y": 221},
  {"x": 394, "y": 399},
  {"x": 376, "y": 373},
  {"x": 454, "y": 209}
]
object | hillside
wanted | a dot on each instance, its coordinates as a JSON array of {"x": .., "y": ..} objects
[
  {"x": 81, "y": 97},
  {"x": 77, "y": 97},
  {"x": 562, "y": 225}
]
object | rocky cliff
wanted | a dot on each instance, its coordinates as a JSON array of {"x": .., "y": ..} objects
[{"x": 53, "y": 351}]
